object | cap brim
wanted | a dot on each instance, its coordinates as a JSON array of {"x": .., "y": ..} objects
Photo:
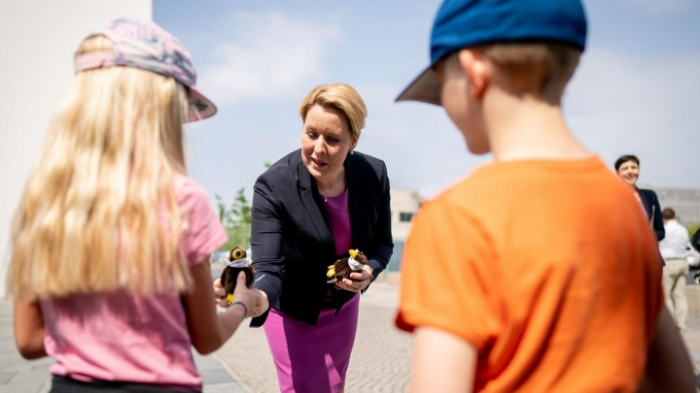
[
  {"x": 425, "y": 88},
  {"x": 200, "y": 107}
]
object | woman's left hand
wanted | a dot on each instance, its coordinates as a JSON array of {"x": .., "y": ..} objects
[{"x": 358, "y": 280}]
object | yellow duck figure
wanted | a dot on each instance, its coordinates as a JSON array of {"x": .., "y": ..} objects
[
  {"x": 344, "y": 266},
  {"x": 237, "y": 262}
]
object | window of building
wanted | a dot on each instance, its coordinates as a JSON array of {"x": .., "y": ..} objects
[{"x": 405, "y": 217}]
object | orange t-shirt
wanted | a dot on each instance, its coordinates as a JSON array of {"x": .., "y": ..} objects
[{"x": 548, "y": 268}]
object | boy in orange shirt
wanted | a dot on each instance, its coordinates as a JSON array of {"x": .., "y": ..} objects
[{"x": 537, "y": 272}]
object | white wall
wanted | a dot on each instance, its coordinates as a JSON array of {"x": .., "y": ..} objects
[
  {"x": 402, "y": 201},
  {"x": 38, "y": 39}
]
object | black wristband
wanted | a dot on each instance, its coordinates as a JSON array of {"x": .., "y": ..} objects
[{"x": 245, "y": 308}]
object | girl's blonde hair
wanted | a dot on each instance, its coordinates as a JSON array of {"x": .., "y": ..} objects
[
  {"x": 339, "y": 96},
  {"x": 99, "y": 210}
]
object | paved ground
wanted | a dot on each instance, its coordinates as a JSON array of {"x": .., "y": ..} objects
[{"x": 380, "y": 361}]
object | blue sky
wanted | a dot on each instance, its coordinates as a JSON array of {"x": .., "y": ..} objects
[{"x": 634, "y": 92}]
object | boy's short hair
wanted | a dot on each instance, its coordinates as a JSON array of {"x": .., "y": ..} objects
[
  {"x": 463, "y": 24},
  {"x": 540, "y": 68},
  {"x": 668, "y": 213}
]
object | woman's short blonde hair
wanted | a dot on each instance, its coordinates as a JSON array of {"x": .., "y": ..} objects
[
  {"x": 99, "y": 210},
  {"x": 339, "y": 96},
  {"x": 541, "y": 68}
]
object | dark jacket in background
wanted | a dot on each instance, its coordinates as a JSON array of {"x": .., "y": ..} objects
[
  {"x": 291, "y": 240},
  {"x": 653, "y": 209}
]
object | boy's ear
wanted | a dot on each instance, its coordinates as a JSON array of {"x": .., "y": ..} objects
[{"x": 477, "y": 69}]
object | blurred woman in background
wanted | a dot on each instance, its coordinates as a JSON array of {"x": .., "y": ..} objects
[{"x": 627, "y": 168}]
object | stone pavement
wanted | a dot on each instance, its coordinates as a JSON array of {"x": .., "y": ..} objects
[
  {"x": 380, "y": 361},
  {"x": 691, "y": 336}
]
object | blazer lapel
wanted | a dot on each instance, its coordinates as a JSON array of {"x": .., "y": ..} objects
[
  {"x": 645, "y": 202},
  {"x": 307, "y": 186},
  {"x": 355, "y": 193}
]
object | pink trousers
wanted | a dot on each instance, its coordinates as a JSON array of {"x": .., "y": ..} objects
[{"x": 313, "y": 359}]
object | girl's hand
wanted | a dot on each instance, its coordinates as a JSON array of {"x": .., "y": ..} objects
[
  {"x": 254, "y": 299},
  {"x": 219, "y": 294},
  {"x": 358, "y": 280}
]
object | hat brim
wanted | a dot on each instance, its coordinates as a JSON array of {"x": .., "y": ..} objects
[
  {"x": 200, "y": 107},
  {"x": 425, "y": 88}
]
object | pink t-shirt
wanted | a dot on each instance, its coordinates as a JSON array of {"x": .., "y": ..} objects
[{"x": 117, "y": 336}]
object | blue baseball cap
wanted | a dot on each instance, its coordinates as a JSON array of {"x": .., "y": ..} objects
[{"x": 466, "y": 23}]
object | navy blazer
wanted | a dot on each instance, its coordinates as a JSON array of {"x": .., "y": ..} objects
[
  {"x": 653, "y": 209},
  {"x": 291, "y": 240}
]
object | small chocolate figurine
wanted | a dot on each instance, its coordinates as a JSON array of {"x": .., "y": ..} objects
[{"x": 237, "y": 262}]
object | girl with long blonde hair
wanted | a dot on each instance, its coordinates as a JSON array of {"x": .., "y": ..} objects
[{"x": 109, "y": 268}]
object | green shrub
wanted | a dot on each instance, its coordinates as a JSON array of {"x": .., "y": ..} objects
[
  {"x": 692, "y": 228},
  {"x": 235, "y": 219}
]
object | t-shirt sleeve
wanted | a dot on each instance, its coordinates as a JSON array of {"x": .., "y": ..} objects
[
  {"x": 445, "y": 276},
  {"x": 203, "y": 232}
]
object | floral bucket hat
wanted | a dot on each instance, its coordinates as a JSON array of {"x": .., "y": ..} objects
[{"x": 145, "y": 45}]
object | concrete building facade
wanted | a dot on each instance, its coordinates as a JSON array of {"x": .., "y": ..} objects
[
  {"x": 684, "y": 201},
  {"x": 38, "y": 39},
  {"x": 404, "y": 204}
]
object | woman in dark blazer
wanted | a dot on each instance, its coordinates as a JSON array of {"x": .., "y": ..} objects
[
  {"x": 309, "y": 209},
  {"x": 627, "y": 168}
]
